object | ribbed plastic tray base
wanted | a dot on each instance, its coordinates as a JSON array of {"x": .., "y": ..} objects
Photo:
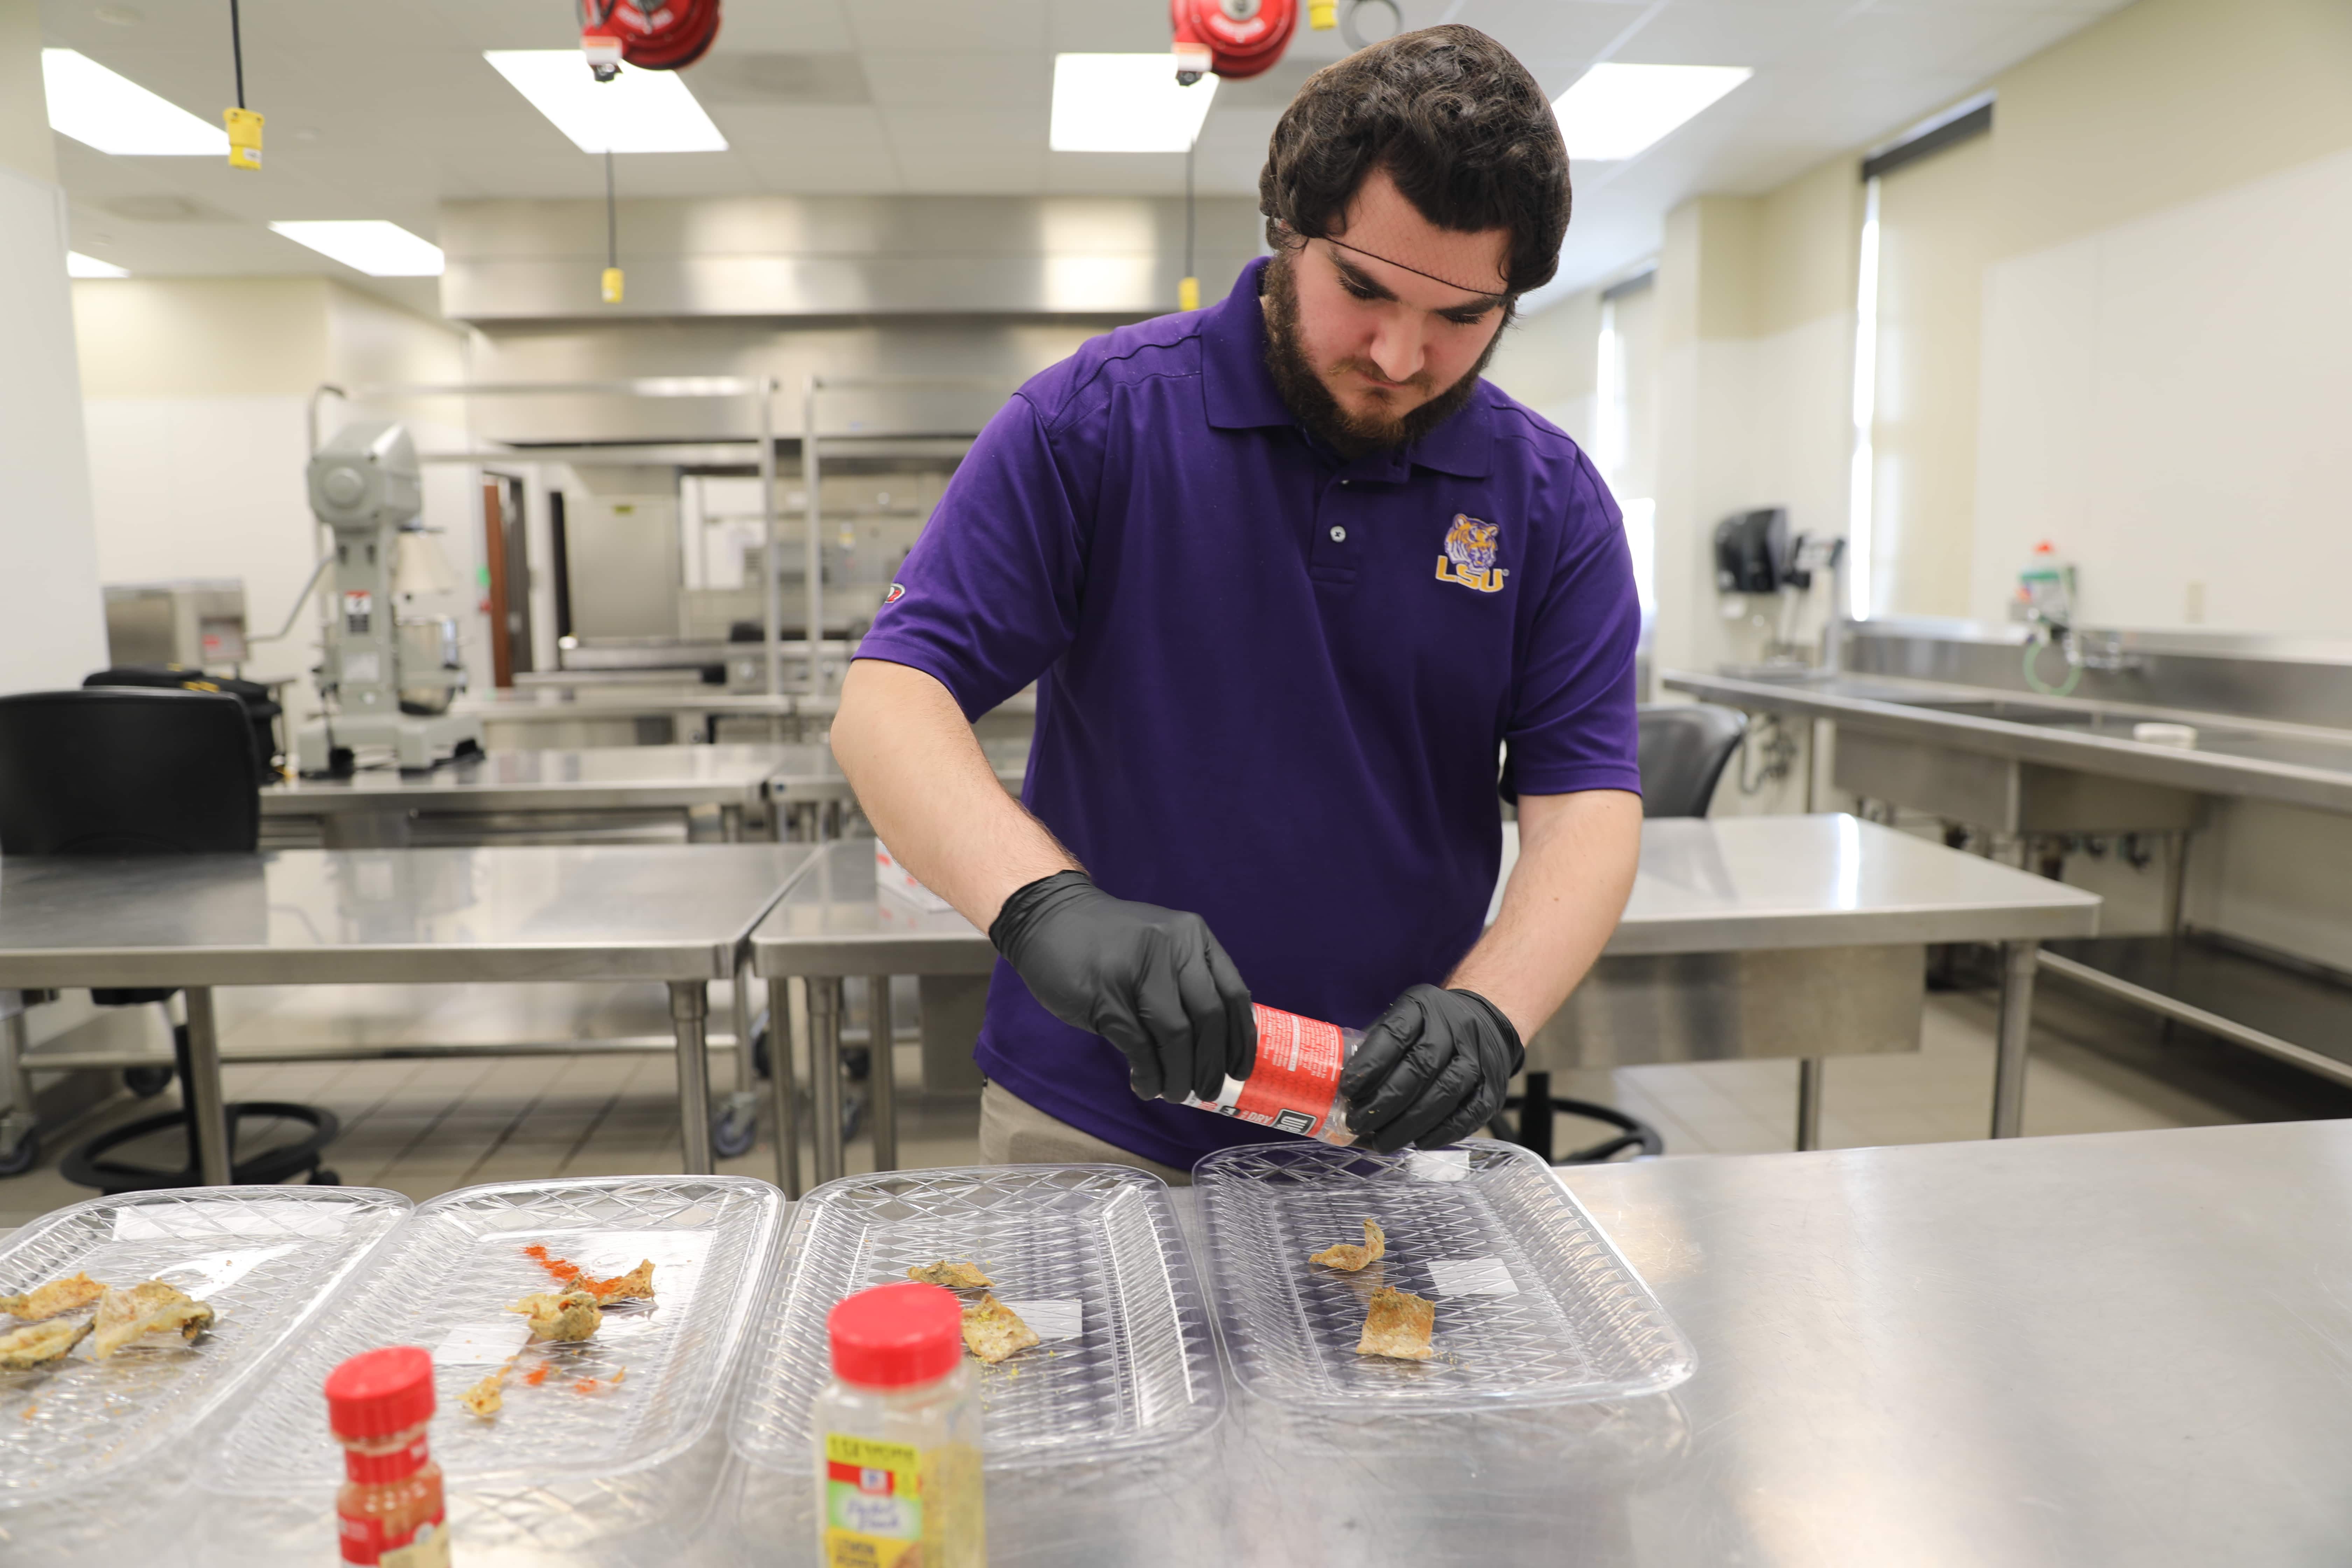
[{"x": 1533, "y": 1304}]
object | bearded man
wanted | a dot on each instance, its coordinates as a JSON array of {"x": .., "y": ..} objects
[{"x": 1291, "y": 580}]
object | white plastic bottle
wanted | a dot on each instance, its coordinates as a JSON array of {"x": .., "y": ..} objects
[
  {"x": 897, "y": 1434},
  {"x": 1295, "y": 1083}
]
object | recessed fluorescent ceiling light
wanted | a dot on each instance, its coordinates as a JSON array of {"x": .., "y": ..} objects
[
  {"x": 81, "y": 266},
  {"x": 1616, "y": 111},
  {"x": 636, "y": 112},
  {"x": 114, "y": 114},
  {"x": 378, "y": 248},
  {"x": 1125, "y": 104}
]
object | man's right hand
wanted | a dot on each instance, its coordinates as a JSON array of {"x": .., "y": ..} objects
[{"x": 1152, "y": 982}]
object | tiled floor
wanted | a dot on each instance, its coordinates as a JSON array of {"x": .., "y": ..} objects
[{"x": 424, "y": 1127}]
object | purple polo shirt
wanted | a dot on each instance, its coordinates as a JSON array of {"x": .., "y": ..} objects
[{"x": 1271, "y": 687}]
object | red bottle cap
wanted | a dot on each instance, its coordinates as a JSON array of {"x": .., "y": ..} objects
[
  {"x": 378, "y": 1392},
  {"x": 896, "y": 1335}
]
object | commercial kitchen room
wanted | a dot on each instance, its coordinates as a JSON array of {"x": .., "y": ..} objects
[{"x": 1079, "y": 782}]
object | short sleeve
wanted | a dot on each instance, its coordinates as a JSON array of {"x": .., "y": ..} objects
[
  {"x": 988, "y": 598},
  {"x": 1571, "y": 725}
]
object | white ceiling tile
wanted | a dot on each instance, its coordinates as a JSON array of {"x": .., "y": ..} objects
[
  {"x": 793, "y": 26},
  {"x": 1090, "y": 26},
  {"x": 958, "y": 81},
  {"x": 999, "y": 27},
  {"x": 1716, "y": 32},
  {"x": 982, "y": 153}
]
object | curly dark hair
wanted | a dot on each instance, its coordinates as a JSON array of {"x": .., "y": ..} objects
[{"x": 1460, "y": 126}]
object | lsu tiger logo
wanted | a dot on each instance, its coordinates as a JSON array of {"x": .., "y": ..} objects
[{"x": 1469, "y": 557}]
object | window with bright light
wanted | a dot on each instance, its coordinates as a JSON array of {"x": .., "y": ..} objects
[
  {"x": 1858, "y": 498},
  {"x": 372, "y": 246},
  {"x": 1612, "y": 428},
  {"x": 636, "y": 112},
  {"x": 1125, "y": 104},
  {"x": 81, "y": 266},
  {"x": 1616, "y": 111},
  {"x": 100, "y": 109}
]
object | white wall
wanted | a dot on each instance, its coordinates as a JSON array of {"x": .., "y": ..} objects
[
  {"x": 52, "y": 624},
  {"x": 2166, "y": 399}
]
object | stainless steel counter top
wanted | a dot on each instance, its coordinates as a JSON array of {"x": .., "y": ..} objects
[
  {"x": 1706, "y": 885},
  {"x": 592, "y": 779},
  {"x": 2297, "y": 764},
  {"x": 2119, "y": 1349},
  {"x": 298, "y": 917}
]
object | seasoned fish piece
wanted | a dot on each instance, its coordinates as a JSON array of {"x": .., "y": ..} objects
[
  {"x": 992, "y": 1331},
  {"x": 57, "y": 1296},
  {"x": 954, "y": 1276},
  {"x": 488, "y": 1397},
  {"x": 569, "y": 1318},
  {"x": 636, "y": 1284},
  {"x": 154, "y": 1307},
  {"x": 1349, "y": 1257},
  {"x": 1399, "y": 1325},
  {"x": 38, "y": 1343}
]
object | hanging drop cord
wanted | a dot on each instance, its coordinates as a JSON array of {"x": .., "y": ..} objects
[
  {"x": 1188, "y": 205},
  {"x": 612, "y": 216},
  {"x": 237, "y": 50}
]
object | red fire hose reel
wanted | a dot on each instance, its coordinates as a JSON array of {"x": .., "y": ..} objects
[
  {"x": 652, "y": 35},
  {"x": 1234, "y": 38}
]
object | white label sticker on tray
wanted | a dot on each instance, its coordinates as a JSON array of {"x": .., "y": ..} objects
[
  {"x": 228, "y": 1217},
  {"x": 1437, "y": 1164},
  {"x": 1052, "y": 1320},
  {"x": 1471, "y": 1276},
  {"x": 481, "y": 1344}
]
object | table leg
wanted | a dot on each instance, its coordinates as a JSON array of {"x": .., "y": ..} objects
[
  {"x": 824, "y": 1073},
  {"x": 689, "y": 1016},
  {"x": 18, "y": 1120},
  {"x": 747, "y": 1076},
  {"x": 2017, "y": 960},
  {"x": 779, "y": 1087},
  {"x": 730, "y": 824},
  {"x": 1809, "y": 1102},
  {"x": 883, "y": 1076},
  {"x": 207, "y": 1112}
]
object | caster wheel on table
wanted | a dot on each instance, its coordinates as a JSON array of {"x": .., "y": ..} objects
[
  {"x": 147, "y": 1082},
  {"x": 760, "y": 1046},
  {"x": 734, "y": 1129},
  {"x": 323, "y": 1177},
  {"x": 22, "y": 1156}
]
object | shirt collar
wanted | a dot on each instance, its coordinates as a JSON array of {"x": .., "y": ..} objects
[{"x": 1242, "y": 396}]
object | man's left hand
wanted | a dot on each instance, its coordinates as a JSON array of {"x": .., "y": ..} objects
[{"x": 1431, "y": 1071}]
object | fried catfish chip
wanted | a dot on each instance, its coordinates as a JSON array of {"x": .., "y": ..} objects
[
  {"x": 57, "y": 1296},
  {"x": 154, "y": 1307},
  {"x": 992, "y": 1331},
  {"x": 37, "y": 1344},
  {"x": 1349, "y": 1257},
  {"x": 567, "y": 1317},
  {"x": 954, "y": 1276},
  {"x": 1399, "y": 1326}
]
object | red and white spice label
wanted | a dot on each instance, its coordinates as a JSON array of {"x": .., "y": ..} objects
[{"x": 1297, "y": 1075}]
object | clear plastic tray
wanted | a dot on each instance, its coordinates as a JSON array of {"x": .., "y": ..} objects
[
  {"x": 1534, "y": 1305},
  {"x": 562, "y": 1473},
  {"x": 125, "y": 1430},
  {"x": 1139, "y": 1373}
]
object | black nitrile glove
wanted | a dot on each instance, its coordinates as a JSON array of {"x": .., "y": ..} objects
[
  {"x": 1152, "y": 982},
  {"x": 1431, "y": 1071}
]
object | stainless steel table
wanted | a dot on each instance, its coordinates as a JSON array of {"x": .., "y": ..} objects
[
  {"x": 809, "y": 788},
  {"x": 1833, "y": 899},
  {"x": 2120, "y": 1350},
  {"x": 659, "y": 716},
  {"x": 674, "y": 913},
  {"x": 577, "y": 792}
]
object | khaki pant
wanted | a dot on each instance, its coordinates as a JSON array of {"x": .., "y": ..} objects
[{"x": 1014, "y": 1132}]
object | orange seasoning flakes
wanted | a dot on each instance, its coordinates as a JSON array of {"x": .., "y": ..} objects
[
  {"x": 598, "y": 1385},
  {"x": 635, "y": 1285},
  {"x": 536, "y": 1375}
]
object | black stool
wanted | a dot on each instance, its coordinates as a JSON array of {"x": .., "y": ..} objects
[
  {"x": 1539, "y": 1105},
  {"x": 121, "y": 772}
]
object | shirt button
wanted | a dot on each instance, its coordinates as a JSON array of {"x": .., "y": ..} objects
[{"x": 1338, "y": 535}]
